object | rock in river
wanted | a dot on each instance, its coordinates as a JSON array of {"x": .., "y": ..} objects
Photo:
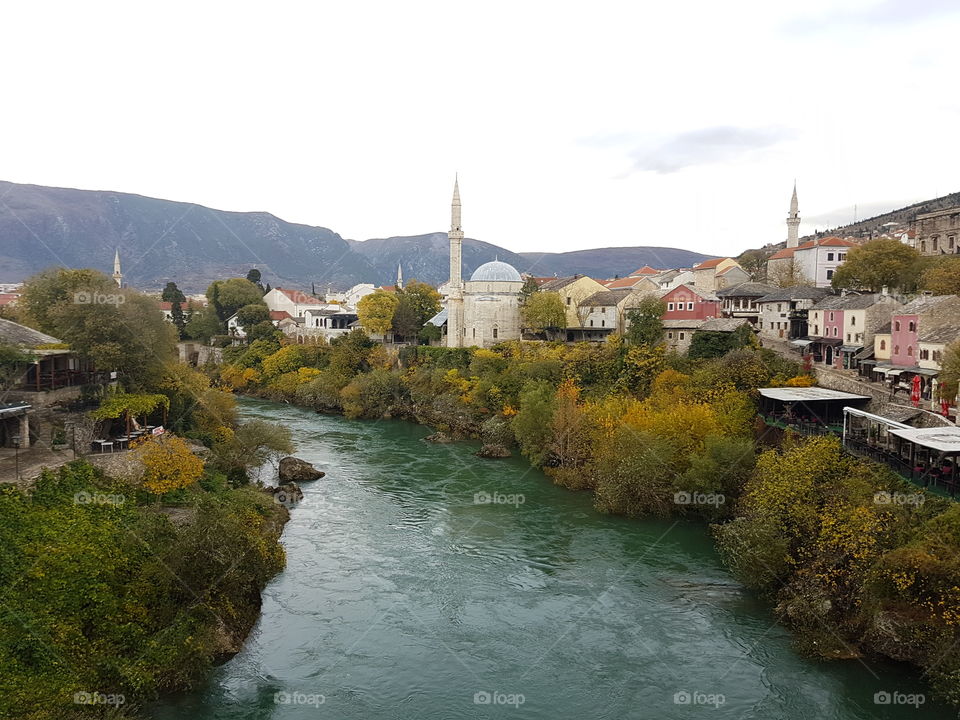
[
  {"x": 296, "y": 470},
  {"x": 494, "y": 450}
]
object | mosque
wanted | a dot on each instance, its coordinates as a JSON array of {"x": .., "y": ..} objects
[{"x": 484, "y": 310}]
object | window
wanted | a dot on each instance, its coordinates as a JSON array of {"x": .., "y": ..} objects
[
  {"x": 816, "y": 316},
  {"x": 841, "y": 256},
  {"x": 853, "y": 320},
  {"x": 831, "y": 316},
  {"x": 829, "y": 274},
  {"x": 883, "y": 344},
  {"x": 669, "y": 307},
  {"x": 816, "y": 329},
  {"x": 924, "y": 354},
  {"x": 474, "y": 332},
  {"x": 936, "y": 356},
  {"x": 896, "y": 349},
  {"x": 689, "y": 306},
  {"x": 681, "y": 336},
  {"x": 495, "y": 333},
  {"x": 778, "y": 307},
  {"x": 669, "y": 336},
  {"x": 603, "y": 311},
  {"x": 568, "y": 299},
  {"x": 896, "y": 325},
  {"x": 909, "y": 350},
  {"x": 848, "y": 337},
  {"x": 911, "y": 326},
  {"x": 771, "y": 326},
  {"x": 591, "y": 323},
  {"x": 829, "y": 257},
  {"x": 836, "y": 331},
  {"x": 603, "y": 323}
]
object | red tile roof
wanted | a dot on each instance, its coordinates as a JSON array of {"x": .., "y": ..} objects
[
  {"x": 277, "y": 315},
  {"x": 783, "y": 254},
  {"x": 301, "y": 298},
  {"x": 8, "y": 298},
  {"x": 709, "y": 264},
  {"x": 627, "y": 282},
  {"x": 645, "y": 270}
]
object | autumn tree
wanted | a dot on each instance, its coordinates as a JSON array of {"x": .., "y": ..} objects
[
  {"x": 645, "y": 321},
  {"x": 543, "y": 311},
  {"x": 375, "y": 311},
  {"x": 755, "y": 263},
  {"x": 878, "y": 264},
  {"x": 950, "y": 372},
  {"x": 423, "y": 299},
  {"x": 786, "y": 273},
  {"x": 405, "y": 322},
  {"x": 943, "y": 278},
  {"x": 169, "y": 464}
]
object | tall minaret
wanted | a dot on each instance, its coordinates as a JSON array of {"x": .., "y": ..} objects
[
  {"x": 455, "y": 295},
  {"x": 399, "y": 277},
  {"x": 117, "y": 275},
  {"x": 793, "y": 221}
]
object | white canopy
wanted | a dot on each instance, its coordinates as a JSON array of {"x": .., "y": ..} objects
[
  {"x": 802, "y": 394},
  {"x": 941, "y": 439}
]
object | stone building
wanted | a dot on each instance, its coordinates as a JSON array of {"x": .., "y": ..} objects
[
  {"x": 486, "y": 309},
  {"x": 784, "y": 312},
  {"x": 938, "y": 233}
]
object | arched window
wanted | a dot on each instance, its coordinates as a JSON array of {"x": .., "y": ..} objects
[
  {"x": 853, "y": 320},
  {"x": 896, "y": 325},
  {"x": 883, "y": 344},
  {"x": 495, "y": 333},
  {"x": 896, "y": 349},
  {"x": 910, "y": 350},
  {"x": 911, "y": 326}
]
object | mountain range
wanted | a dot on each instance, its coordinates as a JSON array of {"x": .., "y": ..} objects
[{"x": 163, "y": 240}]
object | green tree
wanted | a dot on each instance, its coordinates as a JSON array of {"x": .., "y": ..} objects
[
  {"x": 50, "y": 290},
  {"x": 530, "y": 286},
  {"x": 532, "y": 425},
  {"x": 711, "y": 344},
  {"x": 405, "y": 322},
  {"x": 203, "y": 324},
  {"x": 376, "y": 310},
  {"x": 755, "y": 263},
  {"x": 172, "y": 294},
  {"x": 430, "y": 333},
  {"x": 878, "y": 264},
  {"x": 13, "y": 364},
  {"x": 250, "y": 315},
  {"x": 228, "y": 296},
  {"x": 950, "y": 372},
  {"x": 645, "y": 321},
  {"x": 423, "y": 299},
  {"x": 942, "y": 278},
  {"x": 254, "y": 276},
  {"x": 543, "y": 311}
]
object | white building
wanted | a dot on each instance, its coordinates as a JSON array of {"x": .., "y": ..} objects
[{"x": 295, "y": 302}]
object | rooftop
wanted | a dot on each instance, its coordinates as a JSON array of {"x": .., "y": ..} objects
[
  {"x": 807, "y": 394},
  {"x": 798, "y": 292},
  {"x": 606, "y": 298},
  {"x": 496, "y": 271},
  {"x": 22, "y": 336},
  {"x": 848, "y": 302},
  {"x": 746, "y": 289},
  {"x": 941, "y": 439}
]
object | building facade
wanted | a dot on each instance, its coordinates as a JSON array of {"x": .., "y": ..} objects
[{"x": 938, "y": 232}]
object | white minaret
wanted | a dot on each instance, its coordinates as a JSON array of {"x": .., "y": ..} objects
[
  {"x": 793, "y": 221},
  {"x": 117, "y": 275},
  {"x": 455, "y": 295},
  {"x": 399, "y": 277}
]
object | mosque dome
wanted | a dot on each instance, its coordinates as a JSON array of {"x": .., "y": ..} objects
[{"x": 496, "y": 271}]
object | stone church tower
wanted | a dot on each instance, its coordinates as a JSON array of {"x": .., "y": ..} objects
[
  {"x": 117, "y": 275},
  {"x": 793, "y": 221},
  {"x": 455, "y": 293}
]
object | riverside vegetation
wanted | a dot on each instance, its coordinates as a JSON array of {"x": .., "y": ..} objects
[
  {"x": 115, "y": 587},
  {"x": 656, "y": 434}
]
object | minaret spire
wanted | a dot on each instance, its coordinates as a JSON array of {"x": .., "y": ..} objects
[
  {"x": 455, "y": 329},
  {"x": 117, "y": 275},
  {"x": 399, "y": 277},
  {"x": 793, "y": 220}
]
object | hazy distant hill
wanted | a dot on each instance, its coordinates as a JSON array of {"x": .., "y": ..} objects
[{"x": 163, "y": 240}]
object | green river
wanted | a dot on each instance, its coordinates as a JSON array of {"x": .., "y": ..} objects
[{"x": 404, "y": 597}]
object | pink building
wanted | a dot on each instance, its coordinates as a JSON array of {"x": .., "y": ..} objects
[
  {"x": 905, "y": 325},
  {"x": 690, "y": 303}
]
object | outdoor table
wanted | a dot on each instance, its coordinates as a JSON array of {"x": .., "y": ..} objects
[
  {"x": 104, "y": 444},
  {"x": 122, "y": 442}
]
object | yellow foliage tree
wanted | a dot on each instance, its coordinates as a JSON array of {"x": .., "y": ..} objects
[{"x": 169, "y": 464}]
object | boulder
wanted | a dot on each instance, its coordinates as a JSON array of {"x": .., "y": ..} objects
[
  {"x": 494, "y": 450},
  {"x": 287, "y": 494},
  {"x": 438, "y": 437},
  {"x": 296, "y": 470}
]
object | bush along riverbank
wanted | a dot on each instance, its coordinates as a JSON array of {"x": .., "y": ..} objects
[
  {"x": 857, "y": 562},
  {"x": 109, "y": 598}
]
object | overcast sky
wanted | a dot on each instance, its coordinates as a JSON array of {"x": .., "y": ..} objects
[{"x": 572, "y": 125}]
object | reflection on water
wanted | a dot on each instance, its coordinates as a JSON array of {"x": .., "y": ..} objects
[{"x": 404, "y": 598}]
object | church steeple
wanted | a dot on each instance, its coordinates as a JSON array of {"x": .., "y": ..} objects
[
  {"x": 117, "y": 275},
  {"x": 793, "y": 220}
]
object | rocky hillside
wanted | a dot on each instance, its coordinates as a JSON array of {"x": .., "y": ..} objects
[
  {"x": 162, "y": 240},
  {"x": 872, "y": 227}
]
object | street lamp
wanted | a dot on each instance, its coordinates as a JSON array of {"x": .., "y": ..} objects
[{"x": 16, "y": 454}]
